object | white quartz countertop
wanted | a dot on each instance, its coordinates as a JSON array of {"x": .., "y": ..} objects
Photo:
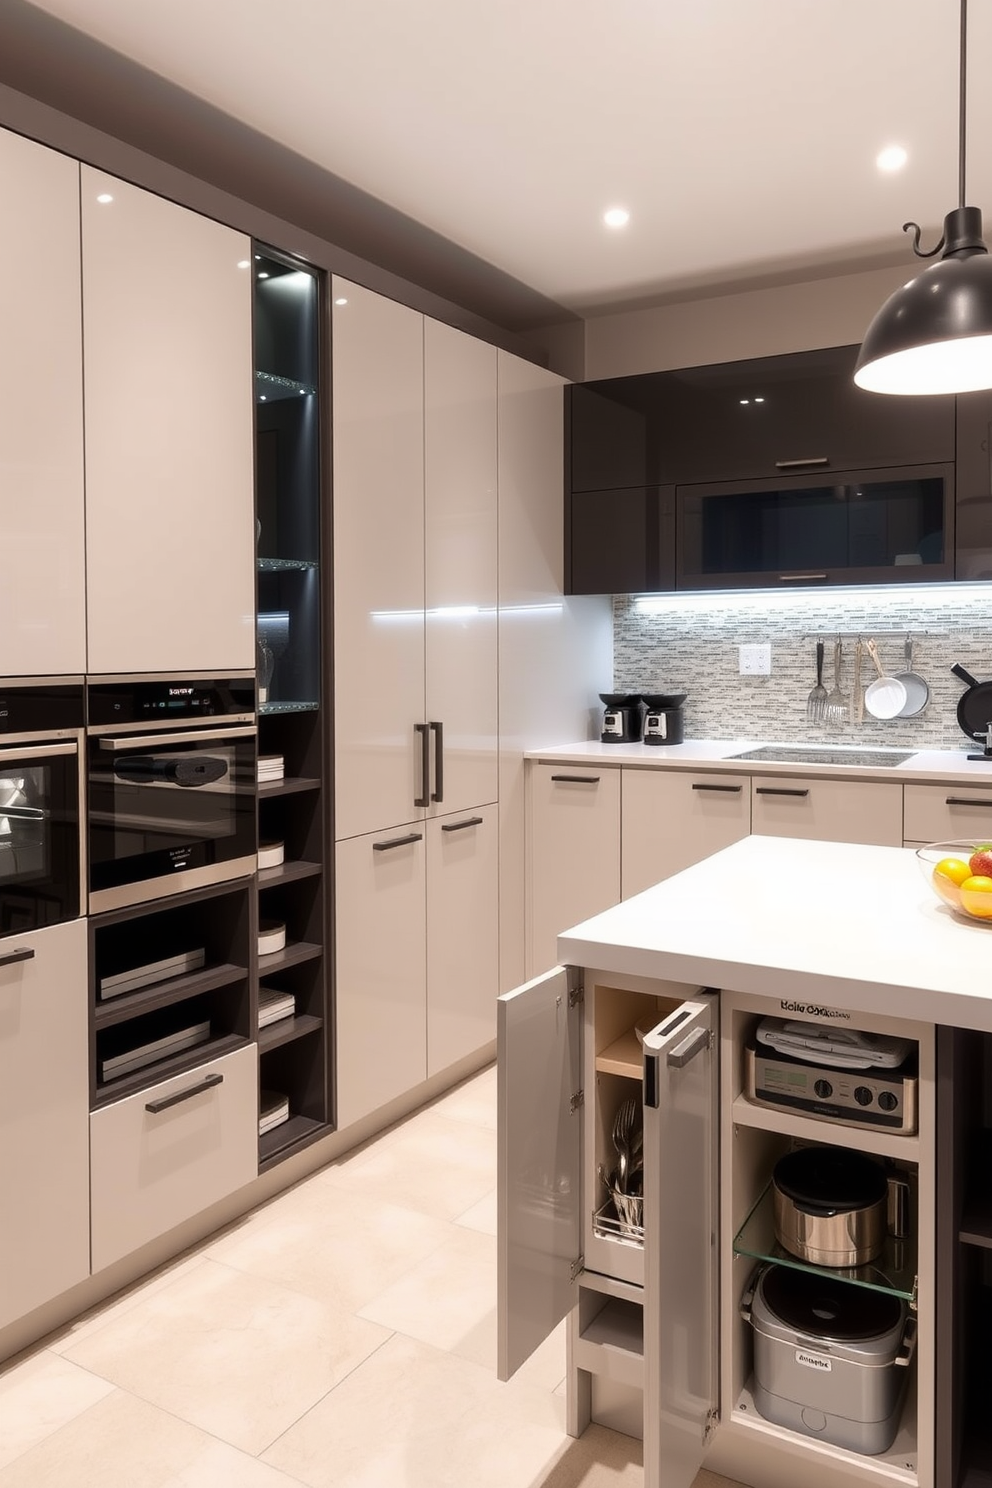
[
  {"x": 708, "y": 754},
  {"x": 824, "y": 923}
]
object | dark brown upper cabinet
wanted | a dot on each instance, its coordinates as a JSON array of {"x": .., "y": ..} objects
[{"x": 974, "y": 486}]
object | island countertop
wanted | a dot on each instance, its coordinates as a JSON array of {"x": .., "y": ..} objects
[{"x": 810, "y": 922}]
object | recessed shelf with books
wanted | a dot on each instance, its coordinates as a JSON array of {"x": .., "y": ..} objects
[{"x": 291, "y": 1010}]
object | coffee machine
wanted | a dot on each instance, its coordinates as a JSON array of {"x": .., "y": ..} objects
[
  {"x": 664, "y": 721},
  {"x": 622, "y": 718}
]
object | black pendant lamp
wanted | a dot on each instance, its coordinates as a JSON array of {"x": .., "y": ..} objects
[{"x": 935, "y": 334}]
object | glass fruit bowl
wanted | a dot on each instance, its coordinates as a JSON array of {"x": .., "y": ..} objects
[{"x": 960, "y": 873}]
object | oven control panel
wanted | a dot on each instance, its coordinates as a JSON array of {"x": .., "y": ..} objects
[{"x": 168, "y": 700}]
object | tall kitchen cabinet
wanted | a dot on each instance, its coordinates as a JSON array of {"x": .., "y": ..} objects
[
  {"x": 42, "y": 598},
  {"x": 167, "y": 357},
  {"x": 415, "y": 564},
  {"x": 294, "y": 1023}
]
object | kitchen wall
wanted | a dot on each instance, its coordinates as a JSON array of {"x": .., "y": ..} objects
[{"x": 689, "y": 643}]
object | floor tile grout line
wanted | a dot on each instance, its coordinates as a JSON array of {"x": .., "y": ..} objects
[{"x": 337, "y": 1384}]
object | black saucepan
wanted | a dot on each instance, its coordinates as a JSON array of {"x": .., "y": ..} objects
[{"x": 975, "y": 705}]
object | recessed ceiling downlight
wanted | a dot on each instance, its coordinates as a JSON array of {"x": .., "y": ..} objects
[
  {"x": 616, "y": 217},
  {"x": 892, "y": 158}
]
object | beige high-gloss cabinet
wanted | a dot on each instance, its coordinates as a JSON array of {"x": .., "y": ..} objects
[
  {"x": 381, "y": 945},
  {"x": 671, "y": 819},
  {"x": 44, "y": 1117},
  {"x": 868, "y": 811},
  {"x": 946, "y": 813},
  {"x": 415, "y": 565},
  {"x": 165, "y": 1153},
  {"x": 462, "y": 934},
  {"x": 42, "y": 597},
  {"x": 167, "y": 359},
  {"x": 573, "y": 852}
]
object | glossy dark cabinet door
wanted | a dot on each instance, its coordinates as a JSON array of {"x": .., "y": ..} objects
[
  {"x": 868, "y": 527},
  {"x": 742, "y": 420},
  {"x": 974, "y": 486},
  {"x": 621, "y": 541}
]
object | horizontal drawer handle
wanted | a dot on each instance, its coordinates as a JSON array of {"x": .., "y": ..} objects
[
  {"x": 769, "y": 790},
  {"x": 964, "y": 801},
  {"x": 800, "y": 578},
  {"x": 207, "y": 1083},
  {"x": 398, "y": 842},
  {"x": 22, "y": 953},
  {"x": 470, "y": 821},
  {"x": 736, "y": 788},
  {"x": 798, "y": 464},
  {"x": 578, "y": 779}
]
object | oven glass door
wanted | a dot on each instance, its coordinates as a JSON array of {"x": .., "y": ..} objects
[
  {"x": 164, "y": 804},
  {"x": 39, "y": 836}
]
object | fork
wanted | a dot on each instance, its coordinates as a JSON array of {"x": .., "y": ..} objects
[
  {"x": 816, "y": 702},
  {"x": 835, "y": 708},
  {"x": 623, "y": 1129}
]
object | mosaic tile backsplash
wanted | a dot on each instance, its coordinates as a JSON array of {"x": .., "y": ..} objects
[{"x": 689, "y": 643}]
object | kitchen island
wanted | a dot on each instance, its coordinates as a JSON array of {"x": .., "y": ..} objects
[{"x": 658, "y": 999}]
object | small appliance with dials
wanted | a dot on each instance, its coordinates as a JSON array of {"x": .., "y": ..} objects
[
  {"x": 621, "y": 717},
  {"x": 844, "y": 1075},
  {"x": 664, "y": 721}
]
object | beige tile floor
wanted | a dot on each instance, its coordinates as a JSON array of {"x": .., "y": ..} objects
[{"x": 341, "y": 1336}]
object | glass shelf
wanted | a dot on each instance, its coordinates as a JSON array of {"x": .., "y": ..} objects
[
  {"x": 894, "y": 1270},
  {"x": 286, "y": 565},
  {"x": 268, "y": 709},
  {"x": 269, "y": 387}
]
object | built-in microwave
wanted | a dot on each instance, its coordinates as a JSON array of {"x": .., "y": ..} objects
[
  {"x": 41, "y": 871},
  {"x": 171, "y": 787}
]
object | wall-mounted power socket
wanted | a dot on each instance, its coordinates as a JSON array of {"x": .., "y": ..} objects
[{"x": 755, "y": 661}]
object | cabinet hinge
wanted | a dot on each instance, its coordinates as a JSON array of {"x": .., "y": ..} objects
[
  {"x": 576, "y": 995},
  {"x": 575, "y": 1101},
  {"x": 712, "y": 1419},
  {"x": 577, "y": 1267}
]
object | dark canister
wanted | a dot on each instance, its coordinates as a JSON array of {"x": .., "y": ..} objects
[
  {"x": 664, "y": 720},
  {"x": 621, "y": 717}
]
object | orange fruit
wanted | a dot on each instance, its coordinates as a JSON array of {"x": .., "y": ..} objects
[
  {"x": 946, "y": 888},
  {"x": 956, "y": 869},
  {"x": 976, "y": 896}
]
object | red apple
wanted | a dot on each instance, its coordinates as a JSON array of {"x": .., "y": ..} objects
[{"x": 980, "y": 861}]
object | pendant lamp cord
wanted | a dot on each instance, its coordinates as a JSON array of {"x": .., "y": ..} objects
[{"x": 962, "y": 98}]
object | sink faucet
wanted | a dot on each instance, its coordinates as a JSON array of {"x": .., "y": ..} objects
[{"x": 986, "y": 742}]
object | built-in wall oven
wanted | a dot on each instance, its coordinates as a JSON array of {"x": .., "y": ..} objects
[
  {"x": 41, "y": 867},
  {"x": 172, "y": 775}
]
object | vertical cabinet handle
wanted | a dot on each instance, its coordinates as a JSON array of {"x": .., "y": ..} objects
[
  {"x": 22, "y": 953},
  {"x": 437, "y": 729},
  {"x": 423, "y": 730}
]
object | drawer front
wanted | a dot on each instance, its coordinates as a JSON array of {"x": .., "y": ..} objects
[
  {"x": 939, "y": 813},
  {"x": 152, "y": 1169},
  {"x": 671, "y": 820},
  {"x": 831, "y": 810}
]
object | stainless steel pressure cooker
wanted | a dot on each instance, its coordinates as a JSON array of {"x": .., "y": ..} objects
[{"x": 835, "y": 1207}]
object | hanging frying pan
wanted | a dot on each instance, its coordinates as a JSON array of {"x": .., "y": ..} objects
[{"x": 975, "y": 705}]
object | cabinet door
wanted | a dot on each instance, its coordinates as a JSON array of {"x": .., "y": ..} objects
[
  {"x": 462, "y": 935},
  {"x": 671, "y": 819},
  {"x": 44, "y": 1117},
  {"x": 378, "y": 402},
  {"x": 381, "y": 993},
  {"x": 42, "y": 609},
  {"x": 167, "y": 356},
  {"x": 460, "y": 559},
  {"x": 574, "y": 857},
  {"x": 539, "y": 1147},
  {"x": 681, "y": 1348},
  {"x": 834, "y": 810},
  {"x": 973, "y": 487},
  {"x": 170, "y": 1151},
  {"x": 942, "y": 813},
  {"x": 621, "y": 541}
]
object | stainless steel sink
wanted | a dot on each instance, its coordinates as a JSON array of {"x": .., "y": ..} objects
[{"x": 786, "y": 754}]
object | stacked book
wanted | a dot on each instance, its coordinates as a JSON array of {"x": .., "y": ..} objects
[
  {"x": 270, "y": 767},
  {"x": 273, "y": 1110},
  {"x": 151, "y": 972},
  {"x": 129, "y": 1060},
  {"x": 274, "y": 1005}
]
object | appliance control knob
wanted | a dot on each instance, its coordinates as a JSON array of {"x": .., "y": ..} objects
[
  {"x": 823, "y": 1088},
  {"x": 887, "y": 1101},
  {"x": 863, "y": 1095}
]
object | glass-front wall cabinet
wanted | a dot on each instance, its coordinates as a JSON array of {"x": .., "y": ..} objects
[{"x": 292, "y": 1022}]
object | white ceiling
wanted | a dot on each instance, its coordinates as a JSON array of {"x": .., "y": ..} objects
[{"x": 740, "y": 134}]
